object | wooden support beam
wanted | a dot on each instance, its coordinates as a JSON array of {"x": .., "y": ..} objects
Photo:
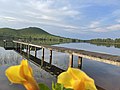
[
  {"x": 50, "y": 57},
  {"x": 71, "y": 60},
  {"x": 16, "y": 46},
  {"x": 23, "y": 46},
  {"x": 20, "y": 48},
  {"x": 28, "y": 51},
  {"x": 26, "y": 48},
  {"x": 13, "y": 45},
  {"x": 79, "y": 62},
  {"x": 42, "y": 61},
  {"x": 5, "y": 43},
  {"x": 35, "y": 52}
]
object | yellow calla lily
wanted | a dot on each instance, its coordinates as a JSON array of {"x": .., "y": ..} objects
[
  {"x": 76, "y": 79},
  {"x": 22, "y": 74}
]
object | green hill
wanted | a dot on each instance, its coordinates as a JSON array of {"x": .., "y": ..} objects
[
  {"x": 33, "y": 34},
  {"x": 25, "y": 32},
  {"x": 7, "y": 32},
  {"x": 32, "y": 30}
]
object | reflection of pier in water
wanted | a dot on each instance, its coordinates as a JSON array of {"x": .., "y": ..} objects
[{"x": 20, "y": 46}]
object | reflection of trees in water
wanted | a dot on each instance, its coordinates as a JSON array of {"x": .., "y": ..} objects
[
  {"x": 117, "y": 45},
  {"x": 9, "y": 59},
  {"x": 1, "y": 43},
  {"x": 107, "y": 44}
]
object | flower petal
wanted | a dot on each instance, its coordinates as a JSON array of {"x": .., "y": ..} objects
[
  {"x": 13, "y": 74},
  {"x": 76, "y": 79},
  {"x": 25, "y": 69},
  {"x": 90, "y": 86},
  {"x": 79, "y": 85},
  {"x": 76, "y": 74},
  {"x": 65, "y": 79}
]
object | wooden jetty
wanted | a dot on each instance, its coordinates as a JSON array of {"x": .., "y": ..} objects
[
  {"x": 106, "y": 58},
  {"x": 19, "y": 46}
]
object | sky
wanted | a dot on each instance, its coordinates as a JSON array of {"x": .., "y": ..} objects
[{"x": 82, "y": 19}]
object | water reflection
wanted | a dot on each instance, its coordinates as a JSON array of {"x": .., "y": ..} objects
[
  {"x": 117, "y": 45},
  {"x": 9, "y": 58},
  {"x": 105, "y": 75}
]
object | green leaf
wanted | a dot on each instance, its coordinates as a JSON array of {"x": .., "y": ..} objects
[
  {"x": 58, "y": 86},
  {"x": 43, "y": 86}
]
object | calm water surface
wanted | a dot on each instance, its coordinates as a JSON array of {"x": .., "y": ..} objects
[
  {"x": 105, "y": 75},
  {"x": 9, "y": 58}
]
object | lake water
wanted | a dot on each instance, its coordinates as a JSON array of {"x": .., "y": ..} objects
[{"x": 105, "y": 75}]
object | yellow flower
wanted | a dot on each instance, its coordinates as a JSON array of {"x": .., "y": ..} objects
[
  {"x": 22, "y": 74},
  {"x": 76, "y": 79}
]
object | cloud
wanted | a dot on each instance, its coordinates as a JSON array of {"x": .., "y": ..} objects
[
  {"x": 7, "y": 18},
  {"x": 113, "y": 27},
  {"x": 39, "y": 11},
  {"x": 68, "y": 15},
  {"x": 94, "y": 24},
  {"x": 97, "y": 27}
]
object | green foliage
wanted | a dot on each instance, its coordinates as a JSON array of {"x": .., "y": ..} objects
[
  {"x": 107, "y": 40},
  {"x": 56, "y": 86},
  {"x": 43, "y": 86}
]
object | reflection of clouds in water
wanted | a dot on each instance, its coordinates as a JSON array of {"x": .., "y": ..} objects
[
  {"x": 10, "y": 58},
  {"x": 105, "y": 75}
]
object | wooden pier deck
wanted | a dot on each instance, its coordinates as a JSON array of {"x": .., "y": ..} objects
[{"x": 106, "y": 58}]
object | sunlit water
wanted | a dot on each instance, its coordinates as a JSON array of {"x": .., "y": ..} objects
[{"x": 105, "y": 75}]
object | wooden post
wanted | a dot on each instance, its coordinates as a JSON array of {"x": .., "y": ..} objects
[
  {"x": 26, "y": 48},
  {"x": 42, "y": 62},
  {"x": 20, "y": 48},
  {"x": 50, "y": 57},
  {"x": 71, "y": 61},
  {"x": 5, "y": 43},
  {"x": 35, "y": 52},
  {"x": 79, "y": 62},
  {"x": 28, "y": 51},
  {"x": 13, "y": 44},
  {"x": 17, "y": 46}
]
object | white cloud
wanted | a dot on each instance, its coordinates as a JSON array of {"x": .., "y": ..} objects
[
  {"x": 39, "y": 11},
  {"x": 108, "y": 28},
  {"x": 117, "y": 20},
  {"x": 113, "y": 27},
  {"x": 7, "y": 18},
  {"x": 64, "y": 14},
  {"x": 94, "y": 24}
]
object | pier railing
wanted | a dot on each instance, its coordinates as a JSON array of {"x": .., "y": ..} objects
[{"x": 101, "y": 57}]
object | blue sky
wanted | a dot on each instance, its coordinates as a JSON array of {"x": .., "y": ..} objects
[{"x": 83, "y": 19}]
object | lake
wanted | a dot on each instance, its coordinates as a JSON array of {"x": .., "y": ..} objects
[{"x": 105, "y": 75}]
